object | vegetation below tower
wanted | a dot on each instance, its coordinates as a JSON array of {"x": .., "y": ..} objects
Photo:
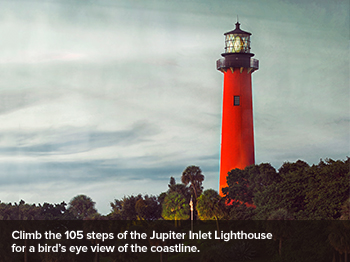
[{"x": 317, "y": 192}]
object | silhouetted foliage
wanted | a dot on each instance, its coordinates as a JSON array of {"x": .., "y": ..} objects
[
  {"x": 339, "y": 238},
  {"x": 281, "y": 230},
  {"x": 175, "y": 207},
  {"x": 82, "y": 207},
  {"x": 193, "y": 177},
  {"x": 179, "y": 188},
  {"x": 316, "y": 192},
  {"x": 55, "y": 212},
  {"x": 345, "y": 212},
  {"x": 211, "y": 206},
  {"x": 148, "y": 208},
  {"x": 306, "y": 192},
  {"x": 136, "y": 208}
]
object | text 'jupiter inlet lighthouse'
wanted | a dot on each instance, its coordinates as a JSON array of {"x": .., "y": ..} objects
[{"x": 237, "y": 131}]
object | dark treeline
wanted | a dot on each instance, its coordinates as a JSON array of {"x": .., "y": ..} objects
[
  {"x": 316, "y": 192},
  {"x": 269, "y": 200},
  {"x": 259, "y": 192}
]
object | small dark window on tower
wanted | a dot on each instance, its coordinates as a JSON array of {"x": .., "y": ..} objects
[{"x": 236, "y": 100}]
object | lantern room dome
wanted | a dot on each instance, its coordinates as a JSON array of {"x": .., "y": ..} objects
[{"x": 238, "y": 30}]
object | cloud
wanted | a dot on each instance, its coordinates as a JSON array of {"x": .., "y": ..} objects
[
  {"x": 68, "y": 141},
  {"x": 34, "y": 58}
]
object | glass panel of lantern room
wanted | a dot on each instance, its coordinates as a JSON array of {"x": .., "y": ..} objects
[
  {"x": 246, "y": 44},
  {"x": 229, "y": 44}
]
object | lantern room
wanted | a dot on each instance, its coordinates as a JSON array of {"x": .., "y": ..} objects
[
  {"x": 237, "y": 41},
  {"x": 237, "y": 52}
]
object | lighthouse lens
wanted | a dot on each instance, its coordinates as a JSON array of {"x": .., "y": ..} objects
[{"x": 238, "y": 44}]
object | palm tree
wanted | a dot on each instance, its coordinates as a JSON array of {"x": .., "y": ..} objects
[
  {"x": 175, "y": 207},
  {"x": 82, "y": 207},
  {"x": 193, "y": 175}
]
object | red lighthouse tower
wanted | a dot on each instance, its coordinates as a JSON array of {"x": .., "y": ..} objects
[{"x": 237, "y": 132}]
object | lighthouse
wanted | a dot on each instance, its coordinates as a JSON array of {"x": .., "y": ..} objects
[{"x": 237, "y": 131}]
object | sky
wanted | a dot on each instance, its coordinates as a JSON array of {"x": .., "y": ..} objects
[{"x": 112, "y": 98}]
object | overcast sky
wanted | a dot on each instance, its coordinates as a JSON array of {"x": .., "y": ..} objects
[{"x": 111, "y": 98}]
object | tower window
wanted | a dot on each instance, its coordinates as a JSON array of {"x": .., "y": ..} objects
[{"x": 236, "y": 100}]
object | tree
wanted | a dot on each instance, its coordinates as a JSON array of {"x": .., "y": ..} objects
[
  {"x": 280, "y": 230},
  {"x": 23, "y": 211},
  {"x": 193, "y": 175},
  {"x": 124, "y": 209},
  {"x": 260, "y": 176},
  {"x": 211, "y": 206},
  {"x": 288, "y": 193},
  {"x": 148, "y": 208},
  {"x": 288, "y": 167},
  {"x": 345, "y": 213},
  {"x": 339, "y": 238},
  {"x": 136, "y": 208},
  {"x": 327, "y": 189},
  {"x": 175, "y": 207},
  {"x": 90, "y": 226},
  {"x": 82, "y": 207},
  {"x": 179, "y": 188},
  {"x": 238, "y": 211},
  {"x": 55, "y": 211},
  {"x": 238, "y": 187},
  {"x": 315, "y": 192},
  {"x": 172, "y": 182}
]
